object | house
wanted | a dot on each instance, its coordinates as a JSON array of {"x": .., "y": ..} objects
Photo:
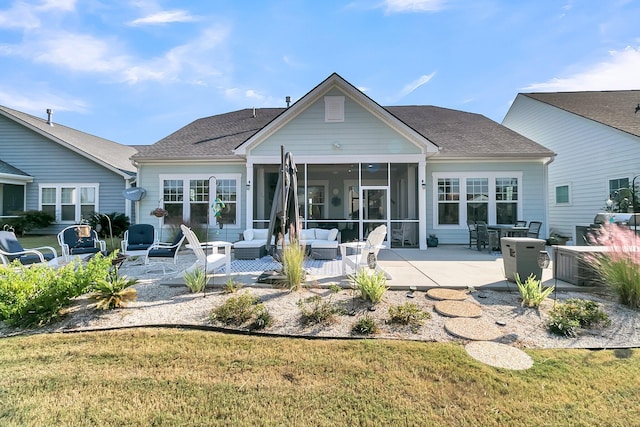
[
  {"x": 50, "y": 167},
  {"x": 358, "y": 164},
  {"x": 596, "y": 135}
]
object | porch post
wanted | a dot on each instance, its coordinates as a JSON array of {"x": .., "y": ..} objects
[
  {"x": 422, "y": 204},
  {"x": 250, "y": 185}
]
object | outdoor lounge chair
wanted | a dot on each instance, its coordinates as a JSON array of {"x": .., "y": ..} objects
[
  {"x": 11, "y": 249},
  {"x": 80, "y": 240},
  {"x": 139, "y": 237},
  {"x": 403, "y": 234},
  {"x": 489, "y": 239},
  {"x": 208, "y": 262},
  {"x": 366, "y": 253},
  {"x": 165, "y": 250},
  {"x": 534, "y": 229}
]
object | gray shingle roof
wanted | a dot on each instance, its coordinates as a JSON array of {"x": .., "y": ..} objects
[
  {"x": 11, "y": 170},
  {"x": 100, "y": 149},
  {"x": 616, "y": 108},
  {"x": 462, "y": 134},
  {"x": 457, "y": 133}
]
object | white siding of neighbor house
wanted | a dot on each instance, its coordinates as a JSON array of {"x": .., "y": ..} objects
[
  {"x": 361, "y": 133},
  {"x": 50, "y": 163},
  {"x": 531, "y": 199},
  {"x": 589, "y": 154}
]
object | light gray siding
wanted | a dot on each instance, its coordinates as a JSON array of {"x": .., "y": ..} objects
[
  {"x": 589, "y": 154},
  {"x": 360, "y": 133},
  {"x": 50, "y": 163}
]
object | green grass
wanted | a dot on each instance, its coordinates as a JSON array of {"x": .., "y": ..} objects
[{"x": 175, "y": 377}]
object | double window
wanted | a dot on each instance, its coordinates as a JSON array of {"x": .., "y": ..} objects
[
  {"x": 477, "y": 197},
  {"x": 69, "y": 203},
  {"x": 190, "y": 199}
]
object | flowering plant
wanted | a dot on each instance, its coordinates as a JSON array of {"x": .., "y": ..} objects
[{"x": 159, "y": 213}]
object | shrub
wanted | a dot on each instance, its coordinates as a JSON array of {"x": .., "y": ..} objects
[
  {"x": 236, "y": 310},
  {"x": 114, "y": 291},
  {"x": 619, "y": 266},
  {"x": 315, "y": 310},
  {"x": 293, "y": 266},
  {"x": 531, "y": 291},
  {"x": 567, "y": 318},
  {"x": 35, "y": 295},
  {"x": 263, "y": 318},
  {"x": 196, "y": 280},
  {"x": 30, "y": 220},
  {"x": 119, "y": 224},
  {"x": 365, "y": 326},
  {"x": 372, "y": 285},
  {"x": 231, "y": 286},
  {"x": 408, "y": 314}
]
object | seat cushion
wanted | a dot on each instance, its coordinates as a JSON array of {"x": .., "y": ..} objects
[
  {"x": 162, "y": 253},
  {"x": 32, "y": 259}
]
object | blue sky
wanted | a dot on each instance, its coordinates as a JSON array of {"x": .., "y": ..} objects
[{"x": 136, "y": 71}]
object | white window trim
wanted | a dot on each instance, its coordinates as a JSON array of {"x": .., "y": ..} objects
[
  {"x": 77, "y": 186},
  {"x": 185, "y": 202},
  {"x": 555, "y": 198},
  {"x": 462, "y": 176}
]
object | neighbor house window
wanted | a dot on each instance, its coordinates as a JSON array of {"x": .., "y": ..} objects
[
  {"x": 69, "y": 203},
  {"x": 476, "y": 196},
  {"x": 199, "y": 202},
  {"x": 562, "y": 194},
  {"x": 617, "y": 184}
]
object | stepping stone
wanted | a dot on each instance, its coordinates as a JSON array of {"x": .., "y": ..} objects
[
  {"x": 472, "y": 329},
  {"x": 451, "y": 308},
  {"x": 499, "y": 355},
  {"x": 446, "y": 294}
]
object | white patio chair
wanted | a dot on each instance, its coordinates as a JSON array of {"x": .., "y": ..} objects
[
  {"x": 368, "y": 252},
  {"x": 209, "y": 262}
]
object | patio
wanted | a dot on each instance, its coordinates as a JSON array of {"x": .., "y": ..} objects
[{"x": 451, "y": 266}]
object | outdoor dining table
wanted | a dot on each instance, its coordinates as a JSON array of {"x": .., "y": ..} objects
[{"x": 506, "y": 230}]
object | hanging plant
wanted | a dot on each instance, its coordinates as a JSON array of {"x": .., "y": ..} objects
[{"x": 159, "y": 213}]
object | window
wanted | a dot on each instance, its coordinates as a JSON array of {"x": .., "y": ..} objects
[
  {"x": 562, "y": 194},
  {"x": 69, "y": 203},
  {"x": 617, "y": 184},
  {"x": 490, "y": 197},
  {"x": 448, "y": 201},
  {"x": 506, "y": 200},
  {"x": 478, "y": 199},
  {"x": 194, "y": 208}
]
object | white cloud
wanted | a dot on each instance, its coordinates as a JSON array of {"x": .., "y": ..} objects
[
  {"x": 164, "y": 17},
  {"x": 35, "y": 99},
  {"x": 422, "y": 80},
  {"x": 20, "y": 15},
  {"x": 619, "y": 72},
  {"x": 66, "y": 5},
  {"x": 409, "y": 6}
]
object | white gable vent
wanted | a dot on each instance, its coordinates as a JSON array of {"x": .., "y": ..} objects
[{"x": 334, "y": 109}]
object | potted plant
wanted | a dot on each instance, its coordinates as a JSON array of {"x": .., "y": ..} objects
[{"x": 432, "y": 241}]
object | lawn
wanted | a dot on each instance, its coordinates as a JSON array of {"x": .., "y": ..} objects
[{"x": 182, "y": 377}]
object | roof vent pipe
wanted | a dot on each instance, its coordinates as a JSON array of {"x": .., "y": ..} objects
[
  {"x": 254, "y": 112},
  {"x": 288, "y": 100},
  {"x": 49, "y": 116}
]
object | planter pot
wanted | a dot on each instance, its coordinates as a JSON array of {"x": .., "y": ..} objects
[{"x": 432, "y": 242}]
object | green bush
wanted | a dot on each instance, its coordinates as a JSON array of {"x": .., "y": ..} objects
[
  {"x": 231, "y": 286},
  {"x": 237, "y": 310},
  {"x": 531, "y": 291},
  {"x": 35, "y": 295},
  {"x": 263, "y": 318},
  {"x": 30, "y": 220},
  {"x": 372, "y": 285},
  {"x": 365, "y": 326},
  {"x": 119, "y": 224},
  {"x": 196, "y": 280},
  {"x": 573, "y": 314},
  {"x": 408, "y": 314},
  {"x": 315, "y": 310},
  {"x": 114, "y": 291}
]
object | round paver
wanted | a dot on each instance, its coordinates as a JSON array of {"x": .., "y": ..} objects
[
  {"x": 472, "y": 329},
  {"x": 446, "y": 294},
  {"x": 499, "y": 355},
  {"x": 452, "y": 308}
]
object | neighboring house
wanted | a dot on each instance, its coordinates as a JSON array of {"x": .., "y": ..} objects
[
  {"x": 596, "y": 136},
  {"x": 49, "y": 167},
  {"x": 359, "y": 165}
]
